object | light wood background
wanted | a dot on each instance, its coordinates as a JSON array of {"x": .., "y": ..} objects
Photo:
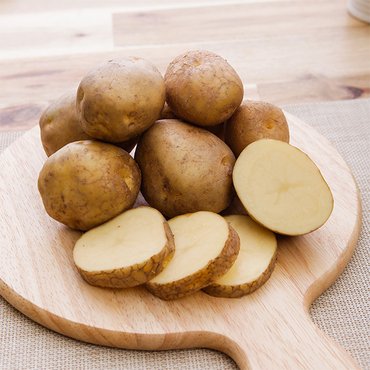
[{"x": 285, "y": 51}]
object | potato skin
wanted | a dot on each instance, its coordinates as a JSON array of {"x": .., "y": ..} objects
[
  {"x": 60, "y": 125},
  {"x": 202, "y": 278},
  {"x": 202, "y": 88},
  {"x": 184, "y": 169},
  {"x": 133, "y": 275},
  {"x": 255, "y": 120},
  {"x": 120, "y": 99},
  {"x": 86, "y": 183}
]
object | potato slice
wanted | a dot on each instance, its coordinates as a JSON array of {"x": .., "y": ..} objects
[
  {"x": 281, "y": 188},
  {"x": 206, "y": 247},
  {"x": 254, "y": 264},
  {"x": 126, "y": 251}
]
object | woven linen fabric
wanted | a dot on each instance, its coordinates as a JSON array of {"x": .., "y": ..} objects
[{"x": 342, "y": 312}]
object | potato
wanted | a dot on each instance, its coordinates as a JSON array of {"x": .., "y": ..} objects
[
  {"x": 217, "y": 130},
  {"x": 126, "y": 251},
  {"x": 184, "y": 169},
  {"x": 281, "y": 188},
  {"x": 86, "y": 183},
  {"x": 60, "y": 125},
  {"x": 255, "y": 120},
  {"x": 167, "y": 113},
  {"x": 254, "y": 264},
  {"x": 202, "y": 88},
  {"x": 120, "y": 99},
  {"x": 206, "y": 247}
]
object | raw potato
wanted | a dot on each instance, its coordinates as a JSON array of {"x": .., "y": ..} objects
[
  {"x": 86, "y": 183},
  {"x": 202, "y": 88},
  {"x": 184, "y": 169},
  {"x": 254, "y": 264},
  {"x": 60, "y": 125},
  {"x": 281, "y": 188},
  {"x": 167, "y": 113},
  {"x": 217, "y": 130},
  {"x": 206, "y": 247},
  {"x": 126, "y": 251},
  {"x": 255, "y": 120},
  {"x": 120, "y": 99}
]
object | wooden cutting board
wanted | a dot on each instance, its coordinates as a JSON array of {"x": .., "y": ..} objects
[{"x": 269, "y": 329}]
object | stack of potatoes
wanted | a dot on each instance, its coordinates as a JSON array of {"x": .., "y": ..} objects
[{"x": 199, "y": 150}]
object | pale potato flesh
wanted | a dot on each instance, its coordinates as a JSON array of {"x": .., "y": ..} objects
[
  {"x": 130, "y": 238},
  {"x": 257, "y": 248},
  {"x": 254, "y": 264},
  {"x": 127, "y": 249},
  {"x": 206, "y": 247},
  {"x": 281, "y": 188},
  {"x": 199, "y": 238}
]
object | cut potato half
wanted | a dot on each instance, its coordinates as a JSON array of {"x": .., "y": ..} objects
[
  {"x": 126, "y": 251},
  {"x": 254, "y": 264},
  {"x": 206, "y": 247},
  {"x": 281, "y": 188}
]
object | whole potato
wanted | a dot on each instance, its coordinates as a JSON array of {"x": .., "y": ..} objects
[
  {"x": 86, "y": 183},
  {"x": 255, "y": 120},
  {"x": 60, "y": 125},
  {"x": 202, "y": 88},
  {"x": 120, "y": 99},
  {"x": 184, "y": 169}
]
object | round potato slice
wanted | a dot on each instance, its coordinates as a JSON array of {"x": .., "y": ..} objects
[
  {"x": 206, "y": 247},
  {"x": 254, "y": 264},
  {"x": 281, "y": 188},
  {"x": 126, "y": 251}
]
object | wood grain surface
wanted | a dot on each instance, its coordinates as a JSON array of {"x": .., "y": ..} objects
[
  {"x": 285, "y": 51},
  {"x": 269, "y": 329}
]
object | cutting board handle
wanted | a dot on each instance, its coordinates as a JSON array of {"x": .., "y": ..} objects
[{"x": 286, "y": 341}]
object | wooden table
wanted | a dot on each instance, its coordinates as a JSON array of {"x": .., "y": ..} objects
[{"x": 284, "y": 51}]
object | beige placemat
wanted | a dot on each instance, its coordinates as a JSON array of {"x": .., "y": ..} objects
[{"x": 343, "y": 311}]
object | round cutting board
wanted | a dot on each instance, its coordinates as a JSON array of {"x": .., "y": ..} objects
[{"x": 268, "y": 329}]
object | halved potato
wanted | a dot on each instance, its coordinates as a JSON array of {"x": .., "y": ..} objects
[
  {"x": 126, "y": 251},
  {"x": 254, "y": 264},
  {"x": 281, "y": 188},
  {"x": 206, "y": 247}
]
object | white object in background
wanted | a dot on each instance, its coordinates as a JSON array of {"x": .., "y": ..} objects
[{"x": 360, "y": 9}]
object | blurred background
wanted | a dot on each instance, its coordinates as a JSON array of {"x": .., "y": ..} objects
[{"x": 285, "y": 51}]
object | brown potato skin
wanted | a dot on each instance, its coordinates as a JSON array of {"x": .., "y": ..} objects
[
  {"x": 133, "y": 275},
  {"x": 202, "y": 88},
  {"x": 60, "y": 125},
  {"x": 120, "y": 99},
  {"x": 214, "y": 269},
  {"x": 184, "y": 169},
  {"x": 167, "y": 113},
  {"x": 86, "y": 183},
  {"x": 255, "y": 120},
  {"x": 217, "y": 130}
]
